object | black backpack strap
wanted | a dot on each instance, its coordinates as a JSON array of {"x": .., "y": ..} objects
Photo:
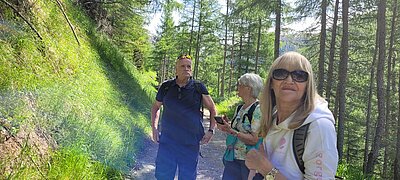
[
  {"x": 197, "y": 87},
  {"x": 250, "y": 112},
  {"x": 237, "y": 112},
  {"x": 166, "y": 85},
  {"x": 238, "y": 109},
  {"x": 299, "y": 139}
]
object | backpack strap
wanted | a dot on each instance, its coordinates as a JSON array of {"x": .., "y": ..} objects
[
  {"x": 250, "y": 112},
  {"x": 238, "y": 109},
  {"x": 237, "y": 112},
  {"x": 299, "y": 139},
  {"x": 166, "y": 85},
  {"x": 197, "y": 87}
]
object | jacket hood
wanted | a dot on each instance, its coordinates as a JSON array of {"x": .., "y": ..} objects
[{"x": 321, "y": 111}]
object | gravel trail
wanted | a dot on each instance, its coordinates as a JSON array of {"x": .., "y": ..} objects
[{"x": 210, "y": 167}]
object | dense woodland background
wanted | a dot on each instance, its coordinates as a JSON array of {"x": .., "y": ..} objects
[{"x": 80, "y": 75}]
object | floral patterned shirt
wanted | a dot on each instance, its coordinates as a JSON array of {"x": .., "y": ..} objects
[{"x": 245, "y": 127}]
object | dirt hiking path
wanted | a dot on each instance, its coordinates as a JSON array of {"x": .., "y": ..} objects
[{"x": 210, "y": 167}]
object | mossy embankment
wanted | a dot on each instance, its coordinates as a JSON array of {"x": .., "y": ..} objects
[{"x": 86, "y": 102}]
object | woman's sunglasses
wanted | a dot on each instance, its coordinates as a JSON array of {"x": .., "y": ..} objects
[{"x": 297, "y": 75}]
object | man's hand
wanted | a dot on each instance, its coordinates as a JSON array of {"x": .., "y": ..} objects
[
  {"x": 155, "y": 115},
  {"x": 206, "y": 138},
  {"x": 155, "y": 137}
]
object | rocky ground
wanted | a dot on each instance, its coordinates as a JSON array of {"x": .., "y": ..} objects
[{"x": 210, "y": 167}]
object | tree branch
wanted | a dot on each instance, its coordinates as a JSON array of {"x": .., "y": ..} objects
[
  {"x": 20, "y": 15},
  {"x": 69, "y": 23}
]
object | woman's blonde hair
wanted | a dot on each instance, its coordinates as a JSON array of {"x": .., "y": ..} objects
[{"x": 289, "y": 60}]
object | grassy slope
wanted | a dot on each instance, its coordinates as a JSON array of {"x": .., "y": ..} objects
[{"x": 86, "y": 97}]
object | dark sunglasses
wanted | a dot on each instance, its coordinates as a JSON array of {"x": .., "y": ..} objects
[{"x": 297, "y": 75}]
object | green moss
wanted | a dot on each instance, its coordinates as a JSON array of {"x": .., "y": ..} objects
[{"x": 88, "y": 97}]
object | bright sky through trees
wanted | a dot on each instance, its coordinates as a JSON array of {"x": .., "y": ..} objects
[{"x": 155, "y": 20}]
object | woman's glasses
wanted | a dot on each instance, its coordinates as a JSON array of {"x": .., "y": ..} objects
[{"x": 297, "y": 75}]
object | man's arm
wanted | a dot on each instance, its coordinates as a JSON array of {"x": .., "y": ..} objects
[
  {"x": 209, "y": 103},
  {"x": 155, "y": 115}
]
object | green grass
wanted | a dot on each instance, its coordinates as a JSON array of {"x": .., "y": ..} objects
[
  {"x": 228, "y": 106},
  {"x": 353, "y": 172},
  {"x": 74, "y": 164},
  {"x": 65, "y": 163},
  {"x": 88, "y": 98}
]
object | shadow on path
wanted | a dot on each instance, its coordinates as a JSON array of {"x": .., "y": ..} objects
[{"x": 210, "y": 167}]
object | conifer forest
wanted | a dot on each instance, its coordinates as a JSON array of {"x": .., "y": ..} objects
[{"x": 78, "y": 77}]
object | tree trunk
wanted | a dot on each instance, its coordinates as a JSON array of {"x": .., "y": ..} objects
[
  {"x": 385, "y": 159},
  {"x": 219, "y": 80},
  {"x": 168, "y": 68},
  {"x": 321, "y": 62},
  {"x": 344, "y": 56},
  {"x": 368, "y": 118},
  {"x": 225, "y": 49},
  {"x": 248, "y": 46},
  {"x": 163, "y": 68},
  {"x": 387, "y": 142},
  {"x": 197, "y": 62},
  {"x": 332, "y": 54},
  {"x": 387, "y": 123},
  {"x": 258, "y": 44},
  {"x": 336, "y": 107},
  {"x": 232, "y": 59},
  {"x": 277, "y": 28},
  {"x": 348, "y": 145},
  {"x": 192, "y": 27},
  {"x": 376, "y": 144},
  {"x": 396, "y": 167},
  {"x": 239, "y": 62}
]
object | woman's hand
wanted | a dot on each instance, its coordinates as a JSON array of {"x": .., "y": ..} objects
[
  {"x": 256, "y": 159},
  {"x": 225, "y": 127}
]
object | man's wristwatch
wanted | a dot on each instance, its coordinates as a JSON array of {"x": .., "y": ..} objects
[
  {"x": 211, "y": 130},
  {"x": 271, "y": 174}
]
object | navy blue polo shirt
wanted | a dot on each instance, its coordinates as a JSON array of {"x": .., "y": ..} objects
[{"x": 181, "y": 120}]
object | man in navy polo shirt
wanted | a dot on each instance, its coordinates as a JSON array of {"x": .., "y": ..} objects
[{"x": 182, "y": 130}]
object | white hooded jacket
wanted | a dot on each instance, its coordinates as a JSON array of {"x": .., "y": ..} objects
[{"x": 320, "y": 152}]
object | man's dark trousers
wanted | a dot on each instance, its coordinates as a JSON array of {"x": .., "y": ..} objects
[{"x": 171, "y": 156}]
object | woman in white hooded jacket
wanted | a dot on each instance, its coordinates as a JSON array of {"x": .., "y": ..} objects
[{"x": 289, "y": 101}]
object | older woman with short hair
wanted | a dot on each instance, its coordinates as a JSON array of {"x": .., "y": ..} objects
[{"x": 243, "y": 129}]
